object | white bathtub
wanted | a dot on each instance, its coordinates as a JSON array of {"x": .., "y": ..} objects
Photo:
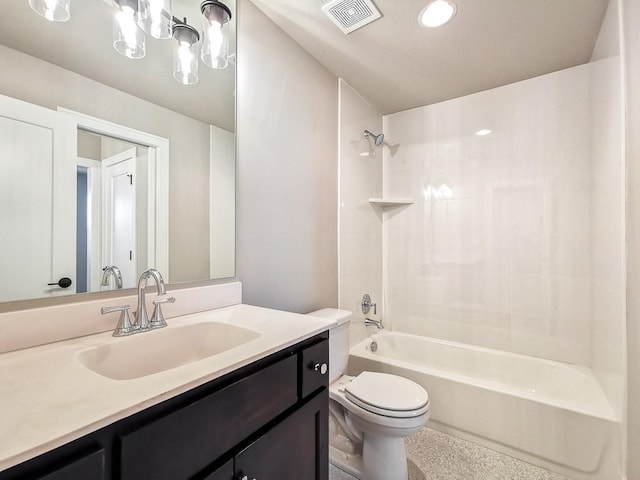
[{"x": 548, "y": 413}]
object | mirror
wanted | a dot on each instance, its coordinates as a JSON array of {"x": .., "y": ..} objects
[{"x": 87, "y": 99}]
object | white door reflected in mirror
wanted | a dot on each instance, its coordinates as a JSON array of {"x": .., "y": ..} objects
[
  {"x": 37, "y": 203},
  {"x": 68, "y": 216}
]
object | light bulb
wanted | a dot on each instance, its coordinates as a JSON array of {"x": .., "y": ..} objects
[
  {"x": 187, "y": 65},
  {"x": 185, "y": 54},
  {"x": 52, "y": 10},
  {"x": 215, "y": 38},
  {"x": 129, "y": 40},
  {"x": 215, "y": 48},
  {"x": 154, "y": 17}
]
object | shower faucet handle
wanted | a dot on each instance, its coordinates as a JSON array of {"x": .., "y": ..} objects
[{"x": 366, "y": 305}]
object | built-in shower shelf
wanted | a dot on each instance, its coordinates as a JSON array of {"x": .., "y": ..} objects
[{"x": 391, "y": 202}]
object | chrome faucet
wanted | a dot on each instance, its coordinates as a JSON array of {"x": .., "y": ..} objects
[
  {"x": 377, "y": 323},
  {"x": 142, "y": 322},
  {"x": 114, "y": 271},
  {"x": 142, "y": 318}
]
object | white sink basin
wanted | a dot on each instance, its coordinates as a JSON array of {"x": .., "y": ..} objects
[{"x": 159, "y": 350}]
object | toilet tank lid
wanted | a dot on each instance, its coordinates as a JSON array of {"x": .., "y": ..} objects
[{"x": 340, "y": 316}]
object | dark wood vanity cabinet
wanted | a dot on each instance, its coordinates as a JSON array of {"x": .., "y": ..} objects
[
  {"x": 265, "y": 421},
  {"x": 291, "y": 449}
]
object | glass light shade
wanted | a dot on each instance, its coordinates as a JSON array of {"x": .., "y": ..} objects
[
  {"x": 215, "y": 38},
  {"x": 154, "y": 17},
  {"x": 52, "y": 10},
  {"x": 185, "y": 54},
  {"x": 128, "y": 39}
]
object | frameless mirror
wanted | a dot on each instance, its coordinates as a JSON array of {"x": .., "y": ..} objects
[{"x": 108, "y": 161}]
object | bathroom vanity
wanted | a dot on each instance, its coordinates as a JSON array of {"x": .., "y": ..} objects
[{"x": 260, "y": 411}]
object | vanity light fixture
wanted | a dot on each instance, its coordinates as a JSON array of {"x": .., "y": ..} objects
[
  {"x": 185, "y": 55},
  {"x": 52, "y": 10},
  {"x": 437, "y": 13},
  {"x": 134, "y": 18},
  {"x": 215, "y": 41}
]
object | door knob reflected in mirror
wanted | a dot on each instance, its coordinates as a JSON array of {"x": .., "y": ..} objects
[{"x": 64, "y": 282}]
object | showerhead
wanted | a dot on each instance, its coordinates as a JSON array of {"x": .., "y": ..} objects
[{"x": 378, "y": 139}]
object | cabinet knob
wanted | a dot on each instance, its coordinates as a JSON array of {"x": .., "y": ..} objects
[{"x": 321, "y": 367}]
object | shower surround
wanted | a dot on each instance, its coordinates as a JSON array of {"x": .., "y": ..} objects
[{"x": 515, "y": 241}]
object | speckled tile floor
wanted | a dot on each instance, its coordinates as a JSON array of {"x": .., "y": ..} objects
[{"x": 436, "y": 456}]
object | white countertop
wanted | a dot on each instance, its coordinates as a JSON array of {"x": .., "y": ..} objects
[{"x": 47, "y": 398}]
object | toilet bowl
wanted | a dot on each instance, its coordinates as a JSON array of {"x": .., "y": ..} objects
[{"x": 369, "y": 414}]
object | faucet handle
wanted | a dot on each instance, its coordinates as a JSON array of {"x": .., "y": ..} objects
[
  {"x": 124, "y": 327},
  {"x": 157, "y": 318},
  {"x": 366, "y": 304}
]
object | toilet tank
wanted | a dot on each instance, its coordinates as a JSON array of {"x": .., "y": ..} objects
[{"x": 338, "y": 340}]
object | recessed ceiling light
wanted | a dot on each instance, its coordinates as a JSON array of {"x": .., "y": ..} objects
[
  {"x": 483, "y": 132},
  {"x": 437, "y": 13}
]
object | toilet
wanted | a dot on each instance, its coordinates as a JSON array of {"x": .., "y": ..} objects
[{"x": 369, "y": 414}]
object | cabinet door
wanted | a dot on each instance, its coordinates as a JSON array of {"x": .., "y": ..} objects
[{"x": 296, "y": 448}]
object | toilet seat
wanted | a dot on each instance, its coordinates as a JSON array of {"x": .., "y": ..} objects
[{"x": 387, "y": 395}]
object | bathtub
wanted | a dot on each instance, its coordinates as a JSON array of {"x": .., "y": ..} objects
[{"x": 548, "y": 413}]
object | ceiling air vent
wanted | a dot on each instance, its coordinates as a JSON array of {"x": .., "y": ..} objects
[{"x": 349, "y": 15}]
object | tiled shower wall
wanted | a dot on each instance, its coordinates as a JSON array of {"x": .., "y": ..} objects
[{"x": 496, "y": 251}]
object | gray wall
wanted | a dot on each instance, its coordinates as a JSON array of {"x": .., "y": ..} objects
[
  {"x": 287, "y": 117},
  {"x": 35, "y": 81}
]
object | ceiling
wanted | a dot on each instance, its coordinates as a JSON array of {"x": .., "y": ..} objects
[
  {"x": 84, "y": 45},
  {"x": 399, "y": 65}
]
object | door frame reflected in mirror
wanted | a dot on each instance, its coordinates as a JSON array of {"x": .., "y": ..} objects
[{"x": 158, "y": 190}]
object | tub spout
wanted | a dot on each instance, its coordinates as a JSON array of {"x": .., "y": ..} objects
[{"x": 377, "y": 323}]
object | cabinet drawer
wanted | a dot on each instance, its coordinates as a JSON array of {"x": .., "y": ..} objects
[
  {"x": 90, "y": 467},
  {"x": 55, "y": 466},
  {"x": 315, "y": 360},
  {"x": 182, "y": 443}
]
